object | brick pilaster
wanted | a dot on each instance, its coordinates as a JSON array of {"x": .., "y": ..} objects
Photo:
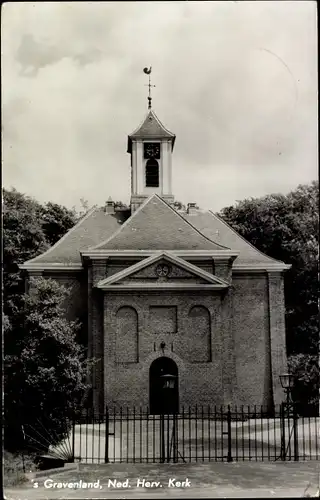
[
  {"x": 228, "y": 348},
  {"x": 277, "y": 333},
  {"x": 96, "y": 272},
  {"x": 223, "y": 269}
]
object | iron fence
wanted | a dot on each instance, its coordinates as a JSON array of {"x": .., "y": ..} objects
[{"x": 198, "y": 434}]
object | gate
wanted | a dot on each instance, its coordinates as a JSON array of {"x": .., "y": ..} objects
[{"x": 194, "y": 435}]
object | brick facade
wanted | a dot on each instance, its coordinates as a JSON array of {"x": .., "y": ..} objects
[
  {"x": 240, "y": 370},
  {"x": 219, "y": 311},
  {"x": 246, "y": 335}
]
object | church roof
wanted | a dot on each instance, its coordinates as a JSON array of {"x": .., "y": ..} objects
[
  {"x": 154, "y": 226},
  {"x": 157, "y": 226},
  {"x": 150, "y": 128},
  {"x": 212, "y": 226},
  {"x": 90, "y": 230}
]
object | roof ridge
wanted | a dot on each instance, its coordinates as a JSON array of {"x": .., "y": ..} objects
[
  {"x": 96, "y": 247},
  {"x": 244, "y": 239},
  {"x": 191, "y": 225},
  {"x": 73, "y": 228},
  {"x": 129, "y": 220}
]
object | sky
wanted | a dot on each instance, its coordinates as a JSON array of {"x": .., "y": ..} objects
[{"x": 235, "y": 81}]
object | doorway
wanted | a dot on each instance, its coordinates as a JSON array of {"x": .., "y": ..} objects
[{"x": 164, "y": 387}]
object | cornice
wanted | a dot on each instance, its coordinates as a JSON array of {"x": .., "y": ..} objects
[
  {"x": 51, "y": 267},
  {"x": 216, "y": 254},
  {"x": 276, "y": 267},
  {"x": 162, "y": 286}
]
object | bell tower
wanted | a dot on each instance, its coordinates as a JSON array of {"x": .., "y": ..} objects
[{"x": 150, "y": 146}]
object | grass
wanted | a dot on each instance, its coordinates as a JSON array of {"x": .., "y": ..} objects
[{"x": 15, "y": 466}]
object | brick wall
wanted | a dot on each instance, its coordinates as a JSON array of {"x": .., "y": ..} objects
[
  {"x": 247, "y": 328},
  {"x": 250, "y": 323},
  {"x": 277, "y": 336},
  {"x": 247, "y": 339},
  {"x": 128, "y": 384}
]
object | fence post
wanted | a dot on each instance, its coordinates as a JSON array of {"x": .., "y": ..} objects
[
  {"x": 229, "y": 459},
  {"x": 283, "y": 426},
  {"x": 295, "y": 433},
  {"x": 162, "y": 444},
  {"x": 73, "y": 434},
  {"x": 106, "y": 453}
]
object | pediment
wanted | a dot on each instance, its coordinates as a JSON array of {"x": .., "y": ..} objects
[{"x": 163, "y": 271}]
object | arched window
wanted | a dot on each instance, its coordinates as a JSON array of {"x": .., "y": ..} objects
[
  {"x": 152, "y": 173},
  {"x": 200, "y": 335},
  {"x": 127, "y": 335}
]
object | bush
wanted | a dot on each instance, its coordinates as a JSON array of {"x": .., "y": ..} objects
[{"x": 15, "y": 466}]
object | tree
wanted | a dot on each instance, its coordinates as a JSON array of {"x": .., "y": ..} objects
[
  {"x": 23, "y": 239},
  {"x": 28, "y": 230},
  {"x": 45, "y": 367},
  {"x": 56, "y": 221},
  {"x": 306, "y": 371},
  {"x": 286, "y": 227}
]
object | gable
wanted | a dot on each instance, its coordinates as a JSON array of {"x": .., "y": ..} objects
[
  {"x": 157, "y": 226},
  {"x": 175, "y": 273},
  {"x": 162, "y": 269}
]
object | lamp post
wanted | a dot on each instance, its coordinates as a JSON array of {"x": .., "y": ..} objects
[
  {"x": 168, "y": 406},
  {"x": 287, "y": 383}
]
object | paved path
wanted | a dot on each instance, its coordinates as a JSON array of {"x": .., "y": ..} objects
[{"x": 215, "y": 480}]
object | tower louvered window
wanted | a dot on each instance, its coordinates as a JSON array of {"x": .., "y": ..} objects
[{"x": 152, "y": 173}]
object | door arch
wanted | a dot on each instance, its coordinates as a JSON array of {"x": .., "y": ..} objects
[{"x": 163, "y": 396}]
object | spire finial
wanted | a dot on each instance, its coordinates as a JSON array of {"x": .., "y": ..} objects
[{"x": 147, "y": 71}]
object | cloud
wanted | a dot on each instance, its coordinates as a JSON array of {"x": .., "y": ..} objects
[
  {"x": 33, "y": 55},
  {"x": 235, "y": 81}
]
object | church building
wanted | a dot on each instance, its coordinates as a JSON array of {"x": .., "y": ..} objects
[{"x": 170, "y": 298}]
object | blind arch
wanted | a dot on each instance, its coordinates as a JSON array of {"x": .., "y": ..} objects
[
  {"x": 200, "y": 334},
  {"x": 127, "y": 335}
]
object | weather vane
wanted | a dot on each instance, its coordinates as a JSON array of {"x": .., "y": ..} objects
[{"x": 147, "y": 71}]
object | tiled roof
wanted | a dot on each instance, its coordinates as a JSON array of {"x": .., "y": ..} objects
[
  {"x": 157, "y": 226},
  {"x": 212, "y": 226},
  {"x": 151, "y": 128},
  {"x": 154, "y": 226},
  {"x": 93, "y": 228}
]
